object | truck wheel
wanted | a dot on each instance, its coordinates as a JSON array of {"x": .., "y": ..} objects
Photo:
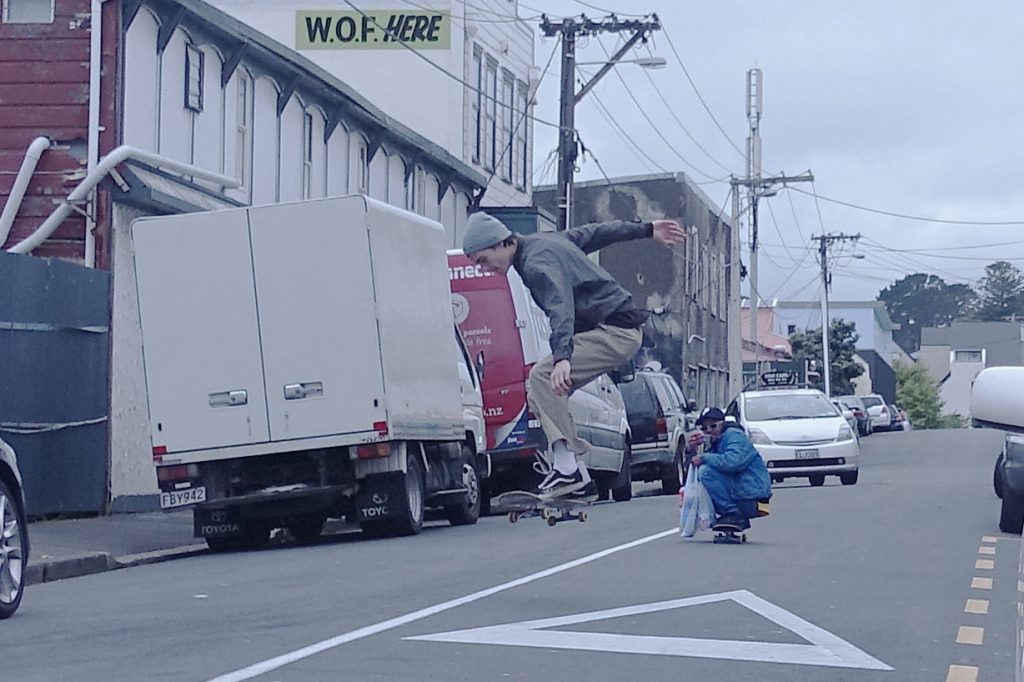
[
  {"x": 467, "y": 511},
  {"x": 672, "y": 476},
  {"x": 997, "y": 477},
  {"x": 307, "y": 527},
  {"x": 411, "y": 522},
  {"x": 1011, "y": 514},
  {"x": 623, "y": 486}
]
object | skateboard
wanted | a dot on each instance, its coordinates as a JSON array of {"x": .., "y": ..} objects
[
  {"x": 554, "y": 510},
  {"x": 726, "y": 534}
]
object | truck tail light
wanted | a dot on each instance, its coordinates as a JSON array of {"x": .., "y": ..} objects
[
  {"x": 373, "y": 450},
  {"x": 661, "y": 427},
  {"x": 159, "y": 451},
  {"x": 381, "y": 428},
  {"x": 172, "y": 474}
]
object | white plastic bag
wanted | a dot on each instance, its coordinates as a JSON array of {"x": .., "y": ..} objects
[{"x": 697, "y": 510}]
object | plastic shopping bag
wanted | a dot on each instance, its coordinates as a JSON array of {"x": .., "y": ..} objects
[{"x": 697, "y": 511}]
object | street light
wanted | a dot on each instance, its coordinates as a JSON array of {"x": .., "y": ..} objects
[{"x": 645, "y": 62}]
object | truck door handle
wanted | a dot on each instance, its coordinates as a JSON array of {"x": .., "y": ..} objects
[
  {"x": 229, "y": 398},
  {"x": 310, "y": 389}
]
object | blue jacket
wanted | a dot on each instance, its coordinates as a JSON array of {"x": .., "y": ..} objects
[{"x": 736, "y": 456}]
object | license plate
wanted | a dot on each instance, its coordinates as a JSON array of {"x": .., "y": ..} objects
[
  {"x": 807, "y": 454},
  {"x": 179, "y": 498}
]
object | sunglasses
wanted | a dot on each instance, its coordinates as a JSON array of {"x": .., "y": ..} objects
[{"x": 709, "y": 427}]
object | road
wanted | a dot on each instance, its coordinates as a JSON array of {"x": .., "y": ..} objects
[{"x": 866, "y": 582}]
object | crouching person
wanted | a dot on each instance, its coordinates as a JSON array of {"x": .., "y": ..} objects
[{"x": 730, "y": 468}]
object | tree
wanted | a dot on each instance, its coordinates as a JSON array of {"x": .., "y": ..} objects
[
  {"x": 842, "y": 343},
  {"x": 918, "y": 393},
  {"x": 923, "y": 300},
  {"x": 1001, "y": 292}
]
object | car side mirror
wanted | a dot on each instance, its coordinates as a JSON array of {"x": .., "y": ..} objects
[
  {"x": 691, "y": 405},
  {"x": 997, "y": 399},
  {"x": 479, "y": 366}
]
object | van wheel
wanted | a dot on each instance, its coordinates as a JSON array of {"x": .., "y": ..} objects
[
  {"x": 411, "y": 522},
  {"x": 467, "y": 511},
  {"x": 623, "y": 485},
  {"x": 1011, "y": 514},
  {"x": 672, "y": 477}
]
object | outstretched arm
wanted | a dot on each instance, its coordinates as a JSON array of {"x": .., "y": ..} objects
[{"x": 599, "y": 235}]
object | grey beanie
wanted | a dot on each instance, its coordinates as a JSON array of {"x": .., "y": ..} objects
[{"x": 482, "y": 232}]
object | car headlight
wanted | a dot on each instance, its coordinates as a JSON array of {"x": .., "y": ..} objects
[
  {"x": 759, "y": 437},
  {"x": 845, "y": 433}
]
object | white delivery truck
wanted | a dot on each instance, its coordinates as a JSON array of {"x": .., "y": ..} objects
[{"x": 302, "y": 362}]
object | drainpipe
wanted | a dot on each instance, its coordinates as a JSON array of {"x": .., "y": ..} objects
[
  {"x": 28, "y": 167},
  {"x": 107, "y": 164},
  {"x": 95, "y": 64}
]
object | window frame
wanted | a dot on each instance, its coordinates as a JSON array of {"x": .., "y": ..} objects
[
  {"x": 5, "y": 15},
  {"x": 476, "y": 103},
  {"x": 194, "y": 99},
  {"x": 244, "y": 105},
  {"x": 307, "y": 154}
]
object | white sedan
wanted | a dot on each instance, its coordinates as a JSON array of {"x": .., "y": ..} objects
[{"x": 799, "y": 433}]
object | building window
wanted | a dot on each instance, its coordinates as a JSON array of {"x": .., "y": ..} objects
[
  {"x": 790, "y": 329},
  {"x": 28, "y": 11},
  {"x": 490, "y": 104},
  {"x": 476, "y": 79},
  {"x": 409, "y": 186},
  {"x": 508, "y": 124},
  {"x": 522, "y": 150},
  {"x": 968, "y": 356},
  {"x": 193, "y": 78},
  {"x": 243, "y": 128},
  {"x": 307, "y": 155},
  {"x": 363, "y": 173}
]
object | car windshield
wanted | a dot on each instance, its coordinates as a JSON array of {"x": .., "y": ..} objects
[
  {"x": 770, "y": 407},
  {"x": 870, "y": 401}
]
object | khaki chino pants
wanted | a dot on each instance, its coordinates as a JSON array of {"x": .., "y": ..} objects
[{"x": 594, "y": 353}]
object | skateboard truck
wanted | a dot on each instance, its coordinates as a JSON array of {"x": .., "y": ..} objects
[
  {"x": 553, "y": 510},
  {"x": 728, "y": 534}
]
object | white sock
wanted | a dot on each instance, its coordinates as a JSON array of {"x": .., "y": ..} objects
[
  {"x": 582, "y": 466},
  {"x": 565, "y": 460}
]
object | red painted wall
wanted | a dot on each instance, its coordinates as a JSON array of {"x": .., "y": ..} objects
[{"x": 44, "y": 90}]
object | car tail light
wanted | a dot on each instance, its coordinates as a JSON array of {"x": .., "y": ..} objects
[
  {"x": 373, "y": 451},
  {"x": 660, "y": 427}
]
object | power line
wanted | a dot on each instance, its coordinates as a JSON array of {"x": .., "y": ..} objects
[
  {"x": 906, "y": 216},
  {"x": 622, "y": 132}
]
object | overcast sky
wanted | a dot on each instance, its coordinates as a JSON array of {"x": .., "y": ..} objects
[{"x": 911, "y": 107}]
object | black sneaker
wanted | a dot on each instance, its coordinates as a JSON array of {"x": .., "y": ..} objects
[
  {"x": 556, "y": 484},
  {"x": 587, "y": 493}
]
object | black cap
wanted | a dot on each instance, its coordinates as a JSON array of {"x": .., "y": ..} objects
[{"x": 710, "y": 414}]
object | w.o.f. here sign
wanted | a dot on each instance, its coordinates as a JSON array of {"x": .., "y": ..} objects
[{"x": 372, "y": 30}]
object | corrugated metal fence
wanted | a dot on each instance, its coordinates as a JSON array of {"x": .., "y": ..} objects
[{"x": 54, "y": 381}]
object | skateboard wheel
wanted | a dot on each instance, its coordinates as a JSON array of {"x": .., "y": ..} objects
[
  {"x": 583, "y": 517},
  {"x": 743, "y": 538},
  {"x": 513, "y": 517},
  {"x": 552, "y": 521}
]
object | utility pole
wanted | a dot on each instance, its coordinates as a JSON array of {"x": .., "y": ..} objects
[
  {"x": 569, "y": 29},
  {"x": 825, "y": 242},
  {"x": 735, "y": 338},
  {"x": 758, "y": 187}
]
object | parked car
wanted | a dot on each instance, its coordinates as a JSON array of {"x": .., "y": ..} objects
[
  {"x": 997, "y": 401},
  {"x": 895, "y": 419},
  {"x": 799, "y": 433},
  {"x": 864, "y": 426},
  {"x": 13, "y": 533},
  {"x": 877, "y": 410},
  {"x": 658, "y": 422},
  {"x": 1009, "y": 484},
  {"x": 848, "y": 415}
]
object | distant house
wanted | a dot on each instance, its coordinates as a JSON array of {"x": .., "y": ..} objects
[
  {"x": 878, "y": 352},
  {"x": 955, "y": 354}
]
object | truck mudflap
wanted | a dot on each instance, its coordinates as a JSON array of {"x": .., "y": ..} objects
[
  {"x": 224, "y": 519},
  {"x": 382, "y": 496},
  {"x": 217, "y": 523}
]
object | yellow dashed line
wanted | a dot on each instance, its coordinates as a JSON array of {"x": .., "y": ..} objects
[
  {"x": 985, "y": 564},
  {"x": 962, "y": 673},
  {"x": 979, "y": 606},
  {"x": 981, "y": 583},
  {"x": 985, "y": 549},
  {"x": 968, "y": 634}
]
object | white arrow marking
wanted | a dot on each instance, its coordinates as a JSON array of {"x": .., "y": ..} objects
[{"x": 824, "y": 648}]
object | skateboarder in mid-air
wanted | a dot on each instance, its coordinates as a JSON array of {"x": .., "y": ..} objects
[
  {"x": 730, "y": 468},
  {"x": 595, "y": 326}
]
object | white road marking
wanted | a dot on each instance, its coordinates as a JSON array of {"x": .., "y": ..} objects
[
  {"x": 825, "y": 649},
  {"x": 266, "y": 666}
]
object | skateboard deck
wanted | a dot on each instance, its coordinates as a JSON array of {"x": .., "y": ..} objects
[
  {"x": 554, "y": 510},
  {"x": 728, "y": 534}
]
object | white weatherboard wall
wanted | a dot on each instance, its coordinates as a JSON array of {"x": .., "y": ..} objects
[{"x": 425, "y": 88}]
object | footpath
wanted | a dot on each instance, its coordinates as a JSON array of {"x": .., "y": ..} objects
[{"x": 67, "y": 548}]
